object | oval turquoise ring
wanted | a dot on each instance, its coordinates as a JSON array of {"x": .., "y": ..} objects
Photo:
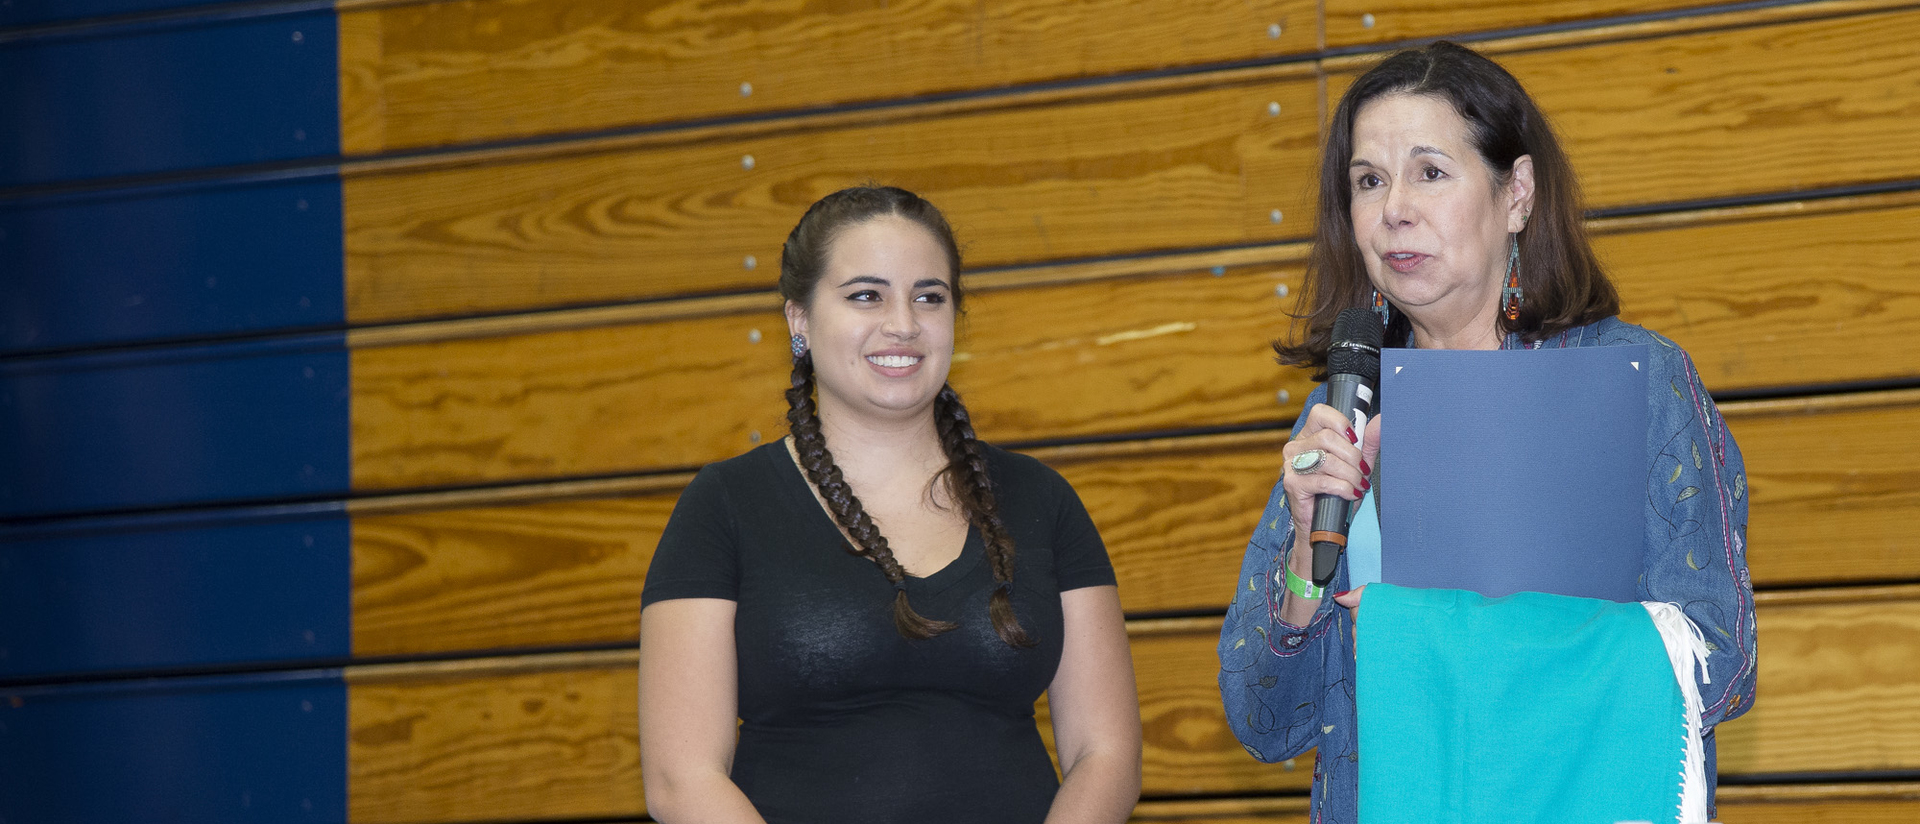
[{"x": 1309, "y": 462}]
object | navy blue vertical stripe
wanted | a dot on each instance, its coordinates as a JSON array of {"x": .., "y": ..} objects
[
  {"x": 184, "y": 263},
  {"x": 267, "y": 748},
  {"x": 173, "y": 426},
  {"x": 170, "y": 99},
  {"x": 221, "y": 595}
]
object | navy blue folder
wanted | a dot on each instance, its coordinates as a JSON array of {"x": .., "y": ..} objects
[{"x": 1510, "y": 471}]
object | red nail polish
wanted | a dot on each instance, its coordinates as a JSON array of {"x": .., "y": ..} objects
[
  {"x": 1365, "y": 484},
  {"x": 1341, "y": 593},
  {"x": 1364, "y": 470},
  {"x": 1352, "y": 437}
]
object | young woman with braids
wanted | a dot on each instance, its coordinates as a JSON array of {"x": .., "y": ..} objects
[{"x": 853, "y": 624}]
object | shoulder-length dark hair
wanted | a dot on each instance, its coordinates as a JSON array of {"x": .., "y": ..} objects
[{"x": 1564, "y": 283}]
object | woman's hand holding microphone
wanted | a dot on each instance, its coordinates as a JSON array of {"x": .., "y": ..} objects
[{"x": 1328, "y": 457}]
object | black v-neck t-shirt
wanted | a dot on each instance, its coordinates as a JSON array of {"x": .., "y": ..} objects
[{"x": 842, "y": 719}]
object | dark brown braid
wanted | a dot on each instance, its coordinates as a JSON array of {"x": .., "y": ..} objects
[
  {"x": 966, "y": 477},
  {"x": 802, "y": 262},
  {"x": 804, "y": 419}
]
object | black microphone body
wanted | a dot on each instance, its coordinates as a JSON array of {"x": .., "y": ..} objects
[{"x": 1353, "y": 380}]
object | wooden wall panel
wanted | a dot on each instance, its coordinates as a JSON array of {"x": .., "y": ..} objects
[
  {"x": 1175, "y": 514},
  {"x": 1838, "y": 692},
  {"x": 1839, "y": 685},
  {"x": 559, "y": 744},
  {"x": 1358, "y": 22},
  {"x": 1729, "y": 111},
  {"x": 442, "y": 73},
  {"x": 1041, "y": 362},
  {"x": 1822, "y": 812},
  {"x": 554, "y": 573},
  {"x": 1846, "y": 516},
  {"x": 1783, "y": 300},
  {"x": 1191, "y": 168}
]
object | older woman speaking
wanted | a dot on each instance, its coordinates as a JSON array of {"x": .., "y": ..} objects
[{"x": 1447, "y": 206}]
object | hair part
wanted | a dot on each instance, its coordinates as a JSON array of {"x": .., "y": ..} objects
[
  {"x": 802, "y": 262},
  {"x": 1564, "y": 283}
]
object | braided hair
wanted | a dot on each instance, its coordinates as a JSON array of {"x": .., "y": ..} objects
[{"x": 802, "y": 262}]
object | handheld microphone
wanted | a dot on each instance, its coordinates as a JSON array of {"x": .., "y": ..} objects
[{"x": 1353, "y": 374}]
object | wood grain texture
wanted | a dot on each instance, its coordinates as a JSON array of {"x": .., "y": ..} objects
[
  {"x": 1187, "y": 748},
  {"x": 1848, "y": 515},
  {"x": 1729, "y": 111},
  {"x": 1782, "y": 301},
  {"x": 435, "y": 74},
  {"x": 1821, "y": 812},
  {"x": 1358, "y": 22},
  {"x": 1837, "y": 679},
  {"x": 555, "y": 573},
  {"x": 1839, "y": 690},
  {"x": 1175, "y": 515},
  {"x": 524, "y": 747},
  {"x": 1175, "y": 518},
  {"x": 1129, "y": 355},
  {"x": 1199, "y": 166}
]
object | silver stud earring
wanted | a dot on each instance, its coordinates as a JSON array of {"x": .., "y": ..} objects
[{"x": 799, "y": 346}]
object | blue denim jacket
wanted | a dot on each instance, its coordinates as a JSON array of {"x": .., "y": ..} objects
[{"x": 1289, "y": 689}]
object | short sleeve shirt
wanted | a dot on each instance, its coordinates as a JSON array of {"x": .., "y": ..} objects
[{"x": 842, "y": 718}]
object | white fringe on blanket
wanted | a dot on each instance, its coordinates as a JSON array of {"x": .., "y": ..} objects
[{"x": 1686, "y": 648}]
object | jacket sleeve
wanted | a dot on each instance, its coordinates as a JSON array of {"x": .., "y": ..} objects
[
  {"x": 1696, "y": 527},
  {"x": 1273, "y": 675}
]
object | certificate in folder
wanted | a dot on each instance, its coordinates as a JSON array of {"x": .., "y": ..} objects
[{"x": 1510, "y": 471}]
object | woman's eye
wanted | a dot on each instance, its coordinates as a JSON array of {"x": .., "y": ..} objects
[
  {"x": 1432, "y": 173},
  {"x": 1366, "y": 181},
  {"x": 864, "y": 295},
  {"x": 932, "y": 297}
]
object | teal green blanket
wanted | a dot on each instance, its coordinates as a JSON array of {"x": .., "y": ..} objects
[{"x": 1531, "y": 707}]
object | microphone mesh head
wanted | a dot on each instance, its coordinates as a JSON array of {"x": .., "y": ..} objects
[{"x": 1356, "y": 345}]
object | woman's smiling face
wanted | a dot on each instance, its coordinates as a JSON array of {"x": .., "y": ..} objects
[
  {"x": 880, "y": 322},
  {"x": 1431, "y": 219}
]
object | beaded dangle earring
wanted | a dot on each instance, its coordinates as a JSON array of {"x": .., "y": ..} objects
[
  {"x": 799, "y": 346},
  {"x": 1380, "y": 308},
  {"x": 1511, "y": 296}
]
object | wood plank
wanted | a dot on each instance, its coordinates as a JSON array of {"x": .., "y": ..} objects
[
  {"x": 1358, "y": 22},
  {"x": 434, "y": 74},
  {"x": 1174, "y": 514},
  {"x": 1188, "y": 349},
  {"x": 1187, "y": 746},
  {"x": 1779, "y": 301},
  {"x": 558, "y": 744},
  {"x": 1848, "y": 516},
  {"x": 1838, "y": 679},
  {"x": 1199, "y": 165},
  {"x": 1731, "y": 111},
  {"x": 546, "y": 574},
  {"x": 1839, "y": 690}
]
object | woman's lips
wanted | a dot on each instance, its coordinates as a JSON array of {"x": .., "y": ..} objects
[
  {"x": 895, "y": 365},
  {"x": 1404, "y": 261}
]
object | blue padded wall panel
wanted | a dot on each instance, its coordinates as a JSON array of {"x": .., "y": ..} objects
[
  {"x": 169, "y": 98},
  {"x": 171, "y": 426},
  {"x": 185, "y": 262},
  {"x": 267, "y": 748},
  {"x": 34, "y": 12},
  {"x": 161, "y": 598}
]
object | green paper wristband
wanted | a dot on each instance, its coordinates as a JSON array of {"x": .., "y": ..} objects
[{"x": 1301, "y": 586}]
